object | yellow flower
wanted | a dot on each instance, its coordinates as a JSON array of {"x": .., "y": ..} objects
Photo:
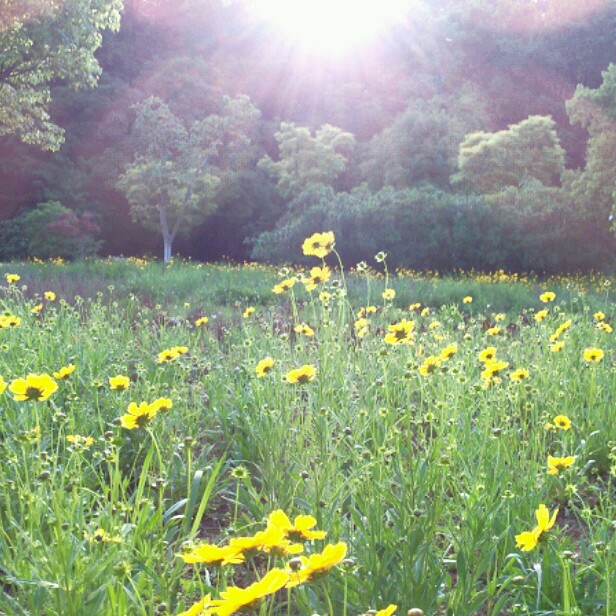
[
  {"x": 400, "y": 333},
  {"x": 487, "y": 354},
  {"x": 325, "y": 296},
  {"x": 388, "y": 611},
  {"x": 415, "y": 306},
  {"x": 302, "y": 375},
  {"x": 245, "y": 600},
  {"x": 519, "y": 375},
  {"x": 362, "y": 326},
  {"x": 499, "y": 317},
  {"x": 2, "y": 385},
  {"x": 317, "y": 276},
  {"x": 34, "y": 387},
  {"x": 171, "y": 354},
  {"x": 562, "y": 422},
  {"x": 548, "y": 296},
  {"x": 593, "y": 354},
  {"x": 304, "y": 329},
  {"x": 299, "y": 529},
  {"x": 264, "y": 367},
  {"x": 64, "y": 372},
  {"x": 388, "y": 294},
  {"x": 100, "y": 535},
  {"x": 36, "y": 309},
  {"x": 434, "y": 325},
  {"x": 528, "y": 540},
  {"x": 161, "y": 404},
  {"x": 560, "y": 329},
  {"x": 50, "y": 296},
  {"x": 550, "y": 427},
  {"x": 467, "y": 300},
  {"x": 264, "y": 540},
  {"x": 448, "y": 352},
  {"x": 285, "y": 285},
  {"x": 541, "y": 315},
  {"x": 599, "y": 316},
  {"x": 81, "y": 442},
  {"x": 119, "y": 382},
  {"x": 604, "y": 327},
  {"x": 555, "y": 465},
  {"x": 212, "y": 555},
  {"x": 493, "y": 331},
  {"x": 491, "y": 368},
  {"x": 201, "y": 608},
  {"x": 11, "y": 278},
  {"x": 250, "y": 310},
  {"x": 138, "y": 416},
  {"x": 201, "y": 321},
  {"x": 9, "y": 320},
  {"x": 557, "y": 346},
  {"x": 317, "y": 565},
  {"x": 429, "y": 365},
  {"x": 425, "y": 312},
  {"x": 319, "y": 244}
]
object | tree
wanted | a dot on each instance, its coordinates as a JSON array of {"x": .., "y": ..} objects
[
  {"x": 171, "y": 183},
  {"x": 422, "y": 143},
  {"x": 490, "y": 162},
  {"x": 595, "y": 186},
  {"x": 306, "y": 160},
  {"x": 42, "y": 42}
]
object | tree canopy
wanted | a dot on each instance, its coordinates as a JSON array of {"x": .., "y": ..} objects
[{"x": 42, "y": 42}]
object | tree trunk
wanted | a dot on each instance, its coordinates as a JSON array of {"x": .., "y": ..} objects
[
  {"x": 167, "y": 234},
  {"x": 167, "y": 248}
]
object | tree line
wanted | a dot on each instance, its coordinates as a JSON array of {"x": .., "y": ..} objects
[{"x": 477, "y": 136}]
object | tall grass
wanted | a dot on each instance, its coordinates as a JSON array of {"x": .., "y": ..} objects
[{"x": 427, "y": 479}]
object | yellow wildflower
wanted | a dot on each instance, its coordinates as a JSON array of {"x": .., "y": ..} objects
[
  {"x": 299, "y": 529},
  {"x": 562, "y": 422},
  {"x": 36, "y": 387},
  {"x": 64, "y": 372},
  {"x": 548, "y": 296},
  {"x": 555, "y": 465},
  {"x": 317, "y": 565},
  {"x": 119, "y": 382},
  {"x": 593, "y": 355},
  {"x": 302, "y": 375},
  {"x": 264, "y": 367},
  {"x": 528, "y": 540},
  {"x": 245, "y": 600},
  {"x": 319, "y": 244}
]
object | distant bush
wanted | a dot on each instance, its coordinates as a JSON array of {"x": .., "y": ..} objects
[
  {"x": 534, "y": 228},
  {"x": 49, "y": 230}
]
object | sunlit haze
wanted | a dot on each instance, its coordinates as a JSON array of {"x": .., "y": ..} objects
[{"x": 331, "y": 27}]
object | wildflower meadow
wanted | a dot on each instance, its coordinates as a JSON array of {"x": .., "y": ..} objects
[{"x": 190, "y": 440}]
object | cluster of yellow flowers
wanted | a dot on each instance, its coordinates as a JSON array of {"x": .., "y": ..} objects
[
  {"x": 281, "y": 539},
  {"x": 171, "y": 354},
  {"x": 9, "y": 320},
  {"x": 138, "y": 416}
]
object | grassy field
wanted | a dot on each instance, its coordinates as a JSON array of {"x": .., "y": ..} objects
[{"x": 369, "y": 440}]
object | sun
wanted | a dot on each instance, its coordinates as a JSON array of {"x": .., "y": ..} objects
[{"x": 331, "y": 27}]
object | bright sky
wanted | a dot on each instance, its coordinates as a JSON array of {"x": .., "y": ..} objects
[{"x": 331, "y": 27}]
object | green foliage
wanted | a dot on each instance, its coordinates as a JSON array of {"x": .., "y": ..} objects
[
  {"x": 47, "y": 231},
  {"x": 490, "y": 162},
  {"x": 595, "y": 186},
  {"x": 418, "y": 228},
  {"x": 532, "y": 228},
  {"x": 421, "y": 144},
  {"x": 40, "y": 43},
  {"x": 305, "y": 160}
]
